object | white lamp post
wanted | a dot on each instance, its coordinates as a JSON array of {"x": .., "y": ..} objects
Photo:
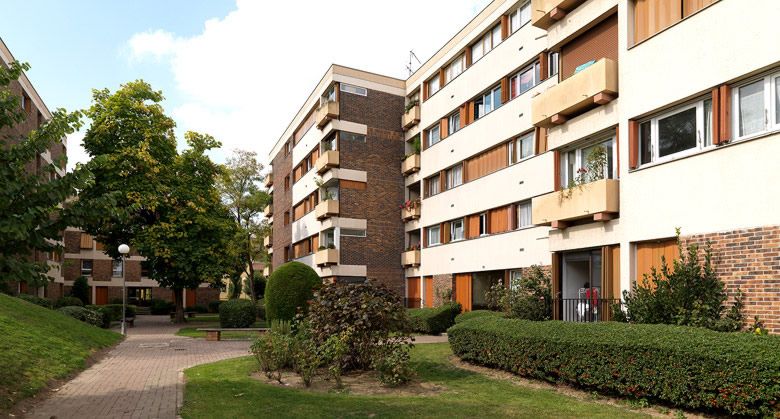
[{"x": 124, "y": 250}]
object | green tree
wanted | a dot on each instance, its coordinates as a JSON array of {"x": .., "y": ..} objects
[
  {"x": 31, "y": 215},
  {"x": 242, "y": 195},
  {"x": 81, "y": 289}
]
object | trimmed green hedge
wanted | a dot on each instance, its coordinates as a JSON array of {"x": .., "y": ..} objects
[
  {"x": 462, "y": 317},
  {"x": 237, "y": 313},
  {"x": 93, "y": 317},
  {"x": 43, "y": 302},
  {"x": 115, "y": 310},
  {"x": 433, "y": 320},
  {"x": 693, "y": 368},
  {"x": 290, "y": 287},
  {"x": 68, "y": 302}
]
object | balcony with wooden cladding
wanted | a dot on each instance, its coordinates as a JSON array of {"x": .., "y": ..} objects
[
  {"x": 327, "y": 161},
  {"x": 544, "y": 13},
  {"x": 411, "y": 212},
  {"x": 410, "y": 164},
  {"x": 591, "y": 87},
  {"x": 411, "y": 117},
  {"x": 268, "y": 211},
  {"x": 326, "y": 257},
  {"x": 269, "y": 180},
  {"x": 410, "y": 258},
  {"x": 327, "y": 112},
  {"x": 598, "y": 201},
  {"x": 327, "y": 209}
]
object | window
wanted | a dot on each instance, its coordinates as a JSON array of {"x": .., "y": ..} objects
[
  {"x": 434, "y": 135},
  {"x": 146, "y": 269},
  {"x": 351, "y": 136},
  {"x": 651, "y": 17},
  {"x": 434, "y": 235},
  {"x": 524, "y": 81},
  {"x": 457, "y": 231},
  {"x": 453, "y": 123},
  {"x": 552, "y": 64},
  {"x": 520, "y": 17},
  {"x": 355, "y": 90},
  {"x": 756, "y": 106},
  {"x": 454, "y": 176},
  {"x": 433, "y": 85},
  {"x": 86, "y": 267},
  {"x": 524, "y": 214},
  {"x": 329, "y": 144},
  {"x": 433, "y": 185},
  {"x": 521, "y": 148},
  {"x": 682, "y": 129},
  {"x": 483, "y": 225},
  {"x": 287, "y": 183},
  {"x": 329, "y": 95},
  {"x": 349, "y": 232},
  {"x": 489, "y": 102},
  {"x": 287, "y": 217},
  {"x": 117, "y": 268},
  {"x": 576, "y": 162},
  {"x": 328, "y": 238},
  {"x": 485, "y": 44},
  {"x": 454, "y": 68},
  {"x": 288, "y": 148}
]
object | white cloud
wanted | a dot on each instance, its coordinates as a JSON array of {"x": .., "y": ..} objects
[{"x": 246, "y": 75}]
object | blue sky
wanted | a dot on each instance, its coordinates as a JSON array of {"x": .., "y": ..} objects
[{"x": 236, "y": 69}]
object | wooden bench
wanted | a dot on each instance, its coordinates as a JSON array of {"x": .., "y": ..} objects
[{"x": 214, "y": 334}]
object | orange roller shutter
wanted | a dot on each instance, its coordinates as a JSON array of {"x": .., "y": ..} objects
[
  {"x": 463, "y": 291},
  {"x": 428, "y": 291},
  {"x": 633, "y": 144}
]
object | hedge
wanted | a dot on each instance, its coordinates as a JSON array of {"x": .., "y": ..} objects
[
  {"x": 86, "y": 315},
  {"x": 462, "y": 317},
  {"x": 433, "y": 320},
  {"x": 115, "y": 310},
  {"x": 289, "y": 288},
  {"x": 237, "y": 313},
  {"x": 68, "y": 302},
  {"x": 694, "y": 368},
  {"x": 43, "y": 302},
  {"x": 214, "y": 306}
]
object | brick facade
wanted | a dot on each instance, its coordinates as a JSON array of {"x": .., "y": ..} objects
[
  {"x": 282, "y": 201},
  {"x": 72, "y": 241},
  {"x": 748, "y": 259},
  {"x": 442, "y": 285},
  {"x": 101, "y": 270},
  {"x": 133, "y": 271}
]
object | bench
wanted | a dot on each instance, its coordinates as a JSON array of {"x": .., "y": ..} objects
[
  {"x": 129, "y": 321},
  {"x": 189, "y": 314},
  {"x": 214, "y": 334}
]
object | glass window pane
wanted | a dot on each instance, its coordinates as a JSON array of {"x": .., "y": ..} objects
[
  {"x": 526, "y": 80},
  {"x": 570, "y": 168},
  {"x": 751, "y": 108},
  {"x": 527, "y": 145},
  {"x": 525, "y": 13},
  {"x": 677, "y": 132},
  {"x": 524, "y": 215},
  {"x": 645, "y": 144},
  {"x": 497, "y": 98},
  {"x": 609, "y": 146},
  {"x": 496, "y": 35},
  {"x": 707, "y": 123}
]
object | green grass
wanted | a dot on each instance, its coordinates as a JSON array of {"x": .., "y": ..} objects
[
  {"x": 225, "y": 389},
  {"x": 191, "y": 331},
  {"x": 38, "y": 345}
]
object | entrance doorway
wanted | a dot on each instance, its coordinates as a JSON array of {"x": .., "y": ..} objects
[{"x": 586, "y": 284}]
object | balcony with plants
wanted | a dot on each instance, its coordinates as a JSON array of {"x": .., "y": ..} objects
[
  {"x": 411, "y": 161},
  {"x": 411, "y": 116}
]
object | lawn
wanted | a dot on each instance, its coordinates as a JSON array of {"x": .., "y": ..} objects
[
  {"x": 225, "y": 389},
  {"x": 39, "y": 345},
  {"x": 191, "y": 331}
]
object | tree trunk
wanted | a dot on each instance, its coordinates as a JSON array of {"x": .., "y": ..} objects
[
  {"x": 251, "y": 268},
  {"x": 178, "y": 299}
]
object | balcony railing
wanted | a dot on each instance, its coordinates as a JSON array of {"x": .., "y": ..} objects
[
  {"x": 410, "y": 258},
  {"x": 327, "y": 112},
  {"x": 410, "y": 164},
  {"x": 326, "y": 257},
  {"x": 269, "y": 210},
  {"x": 326, "y": 209},
  {"x": 410, "y": 212},
  {"x": 599, "y": 200},
  {"x": 593, "y": 86},
  {"x": 326, "y": 161},
  {"x": 544, "y": 13},
  {"x": 411, "y": 117},
  {"x": 584, "y": 309}
]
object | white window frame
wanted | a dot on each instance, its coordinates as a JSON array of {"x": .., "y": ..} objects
[
  {"x": 580, "y": 159},
  {"x": 91, "y": 268},
  {"x": 355, "y": 90},
  {"x": 531, "y": 137},
  {"x": 454, "y": 236},
  {"x": 452, "y": 126},
  {"x": 434, "y": 85},
  {"x": 455, "y": 68},
  {"x": 325, "y": 240},
  {"x": 483, "y": 224},
  {"x": 520, "y": 207},
  {"x": 121, "y": 271},
  {"x": 353, "y": 232},
  {"x": 486, "y": 42},
  {"x": 553, "y": 60},
  {"x": 437, "y": 236},
  {"x": 771, "y": 120},
  {"x": 514, "y": 18},
  {"x": 351, "y": 136},
  {"x": 534, "y": 69},
  {"x": 429, "y": 135},
  {"x": 451, "y": 181},
  {"x": 437, "y": 185},
  {"x": 701, "y": 141},
  {"x": 481, "y": 113}
]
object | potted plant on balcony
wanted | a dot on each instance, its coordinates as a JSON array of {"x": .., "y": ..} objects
[
  {"x": 410, "y": 105},
  {"x": 413, "y": 247},
  {"x": 595, "y": 166}
]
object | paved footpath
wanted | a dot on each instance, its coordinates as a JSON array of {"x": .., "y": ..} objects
[{"x": 140, "y": 378}]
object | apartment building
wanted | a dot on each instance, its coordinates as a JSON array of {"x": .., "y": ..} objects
[
  {"x": 335, "y": 183},
  {"x": 36, "y": 114},
  {"x": 85, "y": 256}
]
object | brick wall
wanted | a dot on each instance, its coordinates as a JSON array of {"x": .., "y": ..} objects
[
  {"x": 441, "y": 285},
  {"x": 71, "y": 269},
  {"x": 749, "y": 259},
  {"x": 282, "y": 235},
  {"x": 203, "y": 296},
  {"x": 72, "y": 241},
  {"x": 101, "y": 270},
  {"x": 133, "y": 271}
]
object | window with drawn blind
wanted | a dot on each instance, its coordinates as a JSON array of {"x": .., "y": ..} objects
[
  {"x": 487, "y": 162},
  {"x": 653, "y": 16}
]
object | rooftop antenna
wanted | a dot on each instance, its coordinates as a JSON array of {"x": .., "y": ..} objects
[{"x": 412, "y": 55}]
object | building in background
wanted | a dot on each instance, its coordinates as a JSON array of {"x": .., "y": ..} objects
[
  {"x": 573, "y": 135},
  {"x": 36, "y": 113}
]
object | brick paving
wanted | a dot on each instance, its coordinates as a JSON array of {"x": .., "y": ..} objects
[{"x": 140, "y": 378}]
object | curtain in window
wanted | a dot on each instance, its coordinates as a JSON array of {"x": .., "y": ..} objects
[
  {"x": 524, "y": 215},
  {"x": 751, "y": 108}
]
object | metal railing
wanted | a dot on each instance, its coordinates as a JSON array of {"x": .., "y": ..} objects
[{"x": 584, "y": 309}]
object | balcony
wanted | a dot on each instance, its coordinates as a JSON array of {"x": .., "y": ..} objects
[
  {"x": 326, "y": 161},
  {"x": 593, "y": 86},
  {"x": 269, "y": 210},
  {"x": 411, "y": 211},
  {"x": 269, "y": 180},
  {"x": 410, "y": 258},
  {"x": 267, "y": 242},
  {"x": 326, "y": 112},
  {"x": 544, "y": 13},
  {"x": 410, "y": 164},
  {"x": 326, "y": 209},
  {"x": 267, "y": 271},
  {"x": 326, "y": 257},
  {"x": 599, "y": 200},
  {"x": 411, "y": 117}
]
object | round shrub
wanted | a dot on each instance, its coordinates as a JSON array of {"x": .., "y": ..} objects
[
  {"x": 434, "y": 321},
  {"x": 160, "y": 307},
  {"x": 43, "y": 302},
  {"x": 290, "y": 287},
  {"x": 236, "y": 313},
  {"x": 214, "y": 306},
  {"x": 462, "y": 317},
  {"x": 85, "y": 315},
  {"x": 68, "y": 302}
]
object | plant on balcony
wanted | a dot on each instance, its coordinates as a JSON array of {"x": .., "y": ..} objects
[
  {"x": 410, "y": 105},
  {"x": 410, "y": 204},
  {"x": 413, "y": 247},
  {"x": 528, "y": 297},
  {"x": 596, "y": 163}
]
